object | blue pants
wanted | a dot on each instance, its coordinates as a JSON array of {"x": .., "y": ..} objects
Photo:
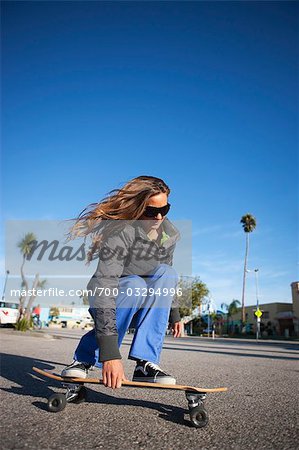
[{"x": 147, "y": 314}]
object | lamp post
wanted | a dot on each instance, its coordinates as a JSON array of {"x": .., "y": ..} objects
[
  {"x": 258, "y": 313},
  {"x": 4, "y": 287},
  {"x": 211, "y": 308},
  {"x": 258, "y": 318},
  {"x": 209, "y": 317}
]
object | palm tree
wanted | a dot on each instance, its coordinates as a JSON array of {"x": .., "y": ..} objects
[
  {"x": 231, "y": 309},
  {"x": 248, "y": 223},
  {"x": 25, "y": 246},
  {"x": 217, "y": 322}
]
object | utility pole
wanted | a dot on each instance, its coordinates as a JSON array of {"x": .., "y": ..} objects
[
  {"x": 258, "y": 312},
  {"x": 209, "y": 318},
  {"x": 4, "y": 288}
]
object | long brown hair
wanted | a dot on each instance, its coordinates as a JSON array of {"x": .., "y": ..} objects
[{"x": 125, "y": 203}]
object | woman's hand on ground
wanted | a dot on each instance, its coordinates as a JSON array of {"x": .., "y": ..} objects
[
  {"x": 113, "y": 373},
  {"x": 177, "y": 329}
]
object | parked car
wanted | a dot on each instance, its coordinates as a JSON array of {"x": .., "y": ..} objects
[{"x": 9, "y": 313}]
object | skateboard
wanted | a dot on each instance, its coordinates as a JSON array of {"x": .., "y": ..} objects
[{"x": 76, "y": 393}]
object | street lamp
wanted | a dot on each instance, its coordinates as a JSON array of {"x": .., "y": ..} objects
[
  {"x": 258, "y": 318},
  {"x": 209, "y": 304},
  {"x": 258, "y": 315},
  {"x": 209, "y": 316}
]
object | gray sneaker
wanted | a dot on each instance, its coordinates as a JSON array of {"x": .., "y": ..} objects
[{"x": 76, "y": 370}]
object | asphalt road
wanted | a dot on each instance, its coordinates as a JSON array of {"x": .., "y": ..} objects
[{"x": 260, "y": 410}]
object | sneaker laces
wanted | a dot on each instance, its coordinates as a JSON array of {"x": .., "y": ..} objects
[
  {"x": 75, "y": 362},
  {"x": 153, "y": 366}
]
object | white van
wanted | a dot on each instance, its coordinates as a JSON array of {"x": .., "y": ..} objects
[{"x": 9, "y": 313}]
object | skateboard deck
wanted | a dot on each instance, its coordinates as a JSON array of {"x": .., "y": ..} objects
[
  {"x": 77, "y": 393},
  {"x": 139, "y": 384}
]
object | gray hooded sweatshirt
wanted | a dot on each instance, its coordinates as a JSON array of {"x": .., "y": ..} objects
[{"x": 125, "y": 250}]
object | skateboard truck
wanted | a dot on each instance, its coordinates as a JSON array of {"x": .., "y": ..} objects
[
  {"x": 74, "y": 392},
  {"x": 198, "y": 414}
]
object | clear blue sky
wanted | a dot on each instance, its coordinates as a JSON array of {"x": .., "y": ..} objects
[{"x": 201, "y": 94}]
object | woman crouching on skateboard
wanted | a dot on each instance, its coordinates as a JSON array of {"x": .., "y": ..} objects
[{"x": 134, "y": 283}]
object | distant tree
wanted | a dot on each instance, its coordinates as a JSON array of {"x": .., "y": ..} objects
[
  {"x": 84, "y": 298},
  {"x": 249, "y": 224},
  {"x": 54, "y": 311},
  {"x": 231, "y": 309},
  {"x": 217, "y": 320},
  {"x": 37, "y": 284},
  {"x": 193, "y": 293},
  {"x": 26, "y": 248}
]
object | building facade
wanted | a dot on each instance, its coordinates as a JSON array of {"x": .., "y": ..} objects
[
  {"x": 278, "y": 319},
  {"x": 295, "y": 298}
]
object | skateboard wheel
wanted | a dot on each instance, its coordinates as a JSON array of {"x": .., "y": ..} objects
[
  {"x": 56, "y": 403},
  {"x": 199, "y": 417}
]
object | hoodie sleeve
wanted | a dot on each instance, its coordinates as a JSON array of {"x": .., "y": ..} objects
[
  {"x": 174, "y": 315},
  {"x": 175, "y": 310},
  {"x": 104, "y": 285}
]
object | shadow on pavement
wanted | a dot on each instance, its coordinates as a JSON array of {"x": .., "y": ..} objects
[
  {"x": 219, "y": 352},
  {"x": 170, "y": 413},
  {"x": 222, "y": 347},
  {"x": 281, "y": 344},
  {"x": 247, "y": 355},
  {"x": 18, "y": 369}
]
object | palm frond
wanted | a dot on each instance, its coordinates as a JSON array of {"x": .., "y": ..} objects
[
  {"x": 248, "y": 222},
  {"x": 26, "y": 244}
]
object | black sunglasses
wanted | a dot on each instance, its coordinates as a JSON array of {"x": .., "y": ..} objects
[{"x": 152, "y": 211}]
